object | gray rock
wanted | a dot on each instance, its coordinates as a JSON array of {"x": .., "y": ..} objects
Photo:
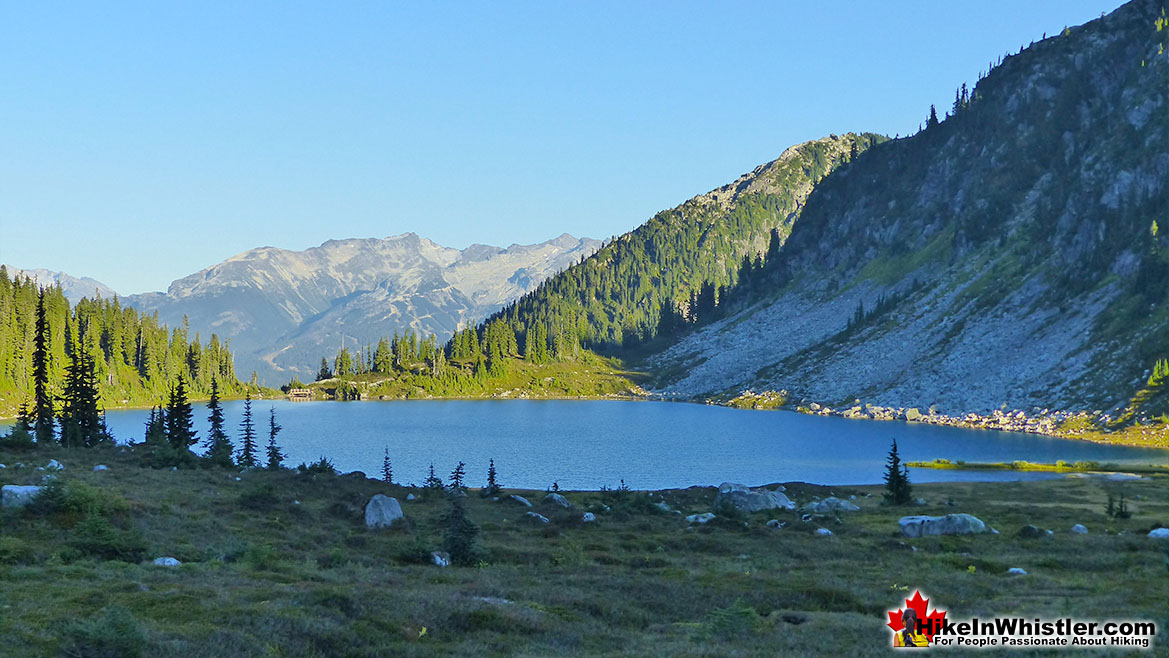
[
  {"x": 588, "y": 517},
  {"x": 950, "y": 524},
  {"x": 382, "y": 512},
  {"x": 1079, "y": 529},
  {"x": 830, "y": 505},
  {"x": 15, "y": 495},
  {"x": 440, "y": 558},
  {"x": 1016, "y": 571},
  {"x": 166, "y": 562},
  {"x": 661, "y": 504},
  {"x": 3, "y": 466},
  {"x": 518, "y": 499},
  {"x": 101, "y": 467},
  {"x": 536, "y": 518},
  {"x": 746, "y": 499},
  {"x": 411, "y": 497},
  {"x": 823, "y": 532},
  {"x": 1030, "y": 532},
  {"x": 912, "y": 415},
  {"x": 705, "y": 517},
  {"x": 920, "y": 501},
  {"x": 54, "y": 465},
  {"x": 1157, "y": 533},
  {"x": 557, "y": 499},
  {"x": 775, "y": 523}
]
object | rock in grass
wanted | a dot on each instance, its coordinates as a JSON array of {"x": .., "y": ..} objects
[
  {"x": 536, "y": 518},
  {"x": 557, "y": 499},
  {"x": 1030, "y": 532},
  {"x": 950, "y": 524},
  {"x": 54, "y": 465},
  {"x": 411, "y": 497},
  {"x": 775, "y": 523},
  {"x": 705, "y": 517},
  {"x": 519, "y": 500},
  {"x": 1156, "y": 533},
  {"x": 441, "y": 558},
  {"x": 588, "y": 517},
  {"x": 1079, "y": 529},
  {"x": 661, "y": 504},
  {"x": 746, "y": 499},
  {"x": 830, "y": 505},
  {"x": 382, "y": 512},
  {"x": 166, "y": 562},
  {"x": 824, "y": 532},
  {"x": 101, "y": 467},
  {"x": 15, "y": 495},
  {"x": 1016, "y": 571}
]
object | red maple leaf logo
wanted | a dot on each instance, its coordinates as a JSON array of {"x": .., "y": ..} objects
[{"x": 930, "y": 623}]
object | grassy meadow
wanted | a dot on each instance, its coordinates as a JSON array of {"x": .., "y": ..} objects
[{"x": 279, "y": 563}]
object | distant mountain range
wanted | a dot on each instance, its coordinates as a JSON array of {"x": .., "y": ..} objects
[
  {"x": 283, "y": 310},
  {"x": 74, "y": 288}
]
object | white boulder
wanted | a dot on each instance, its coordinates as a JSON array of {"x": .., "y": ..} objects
[
  {"x": 746, "y": 499},
  {"x": 536, "y": 518},
  {"x": 1016, "y": 571},
  {"x": 101, "y": 467},
  {"x": 588, "y": 517},
  {"x": 518, "y": 499},
  {"x": 382, "y": 512},
  {"x": 54, "y": 465},
  {"x": 15, "y": 495},
  {"x": 1157, "y": 533},
  {"x": 1079, "y": 529},
  {"x": 166, "y": 562},
  {"x": 830, "y": 505},
  {"x": 440, "y": 558},
  {"x": 557, "y": 499},
  {"x": 950, "y": 524},
  {"x": 824, "y": 532},
  {"x": 705, "y": 517}
]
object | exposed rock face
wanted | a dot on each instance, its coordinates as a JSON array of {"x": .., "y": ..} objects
[
  {"x": 746, "y": 499},
  {"x": 382, "y": 512},
  {"x": 15, "y": 495},
  {"x": 951, "y": 524},
  {"x": 283, "y": 310},
  {"x": 1005, "y": 256},
  {"x": 75, "y": 288}
]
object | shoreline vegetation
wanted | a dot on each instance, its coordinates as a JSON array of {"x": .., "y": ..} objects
[
  {"x": 1087, "y": 467},
  {"x": 120, "y": 558}
]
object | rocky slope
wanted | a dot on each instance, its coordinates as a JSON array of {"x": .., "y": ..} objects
[
  {"x": 1010, "y": 255},
  {"x": 282, "y": 310},
  {"x": 75, "y": 288}
]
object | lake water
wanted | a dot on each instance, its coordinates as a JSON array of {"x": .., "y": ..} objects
[{"x": 651, "y": 445}]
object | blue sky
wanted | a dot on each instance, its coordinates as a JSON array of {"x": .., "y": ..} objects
[{"x": 141, "y": 142}]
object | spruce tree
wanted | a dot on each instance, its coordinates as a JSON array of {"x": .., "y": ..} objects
[
  {"x": 40, "y": 365},
  {"x": 180, "y": 428},
  {"x": 492, "y": 488},
  {"x": 457, "y": 476},
  {"x": 387, "y": 471},
  {"x": 82, "y": 423},
  {"x": 219, "y": 447},
  {"x": 275, "y": 456},
  {"x": 156, "y": 427},
  {"x": 460, "y": 534},
  {"x": 932, "y": 121},
  {"x": 247, "y": 456},
  {"x": 432, "y": 481},
  {"x": 324, "y": 373},
  {"x": 897, "y": 488},
  {"x": 22, "y": 431}
]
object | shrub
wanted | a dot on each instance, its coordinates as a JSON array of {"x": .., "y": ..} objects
[
  {"x": 14, "y": 550},
  {"x": 735, "y": 620},
  {"x": 259, "y": 498},
  {"x": 322, "y": 465},
  {"x": 112, "y": 634},
  {"x": 96, "y": 537},
  {"x": 414, "y": 552},
  {"x": 62, "y": 498}
]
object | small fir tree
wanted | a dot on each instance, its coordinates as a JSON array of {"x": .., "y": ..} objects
[
  {"x": 180, "y": 431},
  {"x": 324, "y": 373},
  {"x": 275, "y": 455},
  {"x": 219, "y": 448},
  {"x": 897, "y": 488},
  {"x": 460, "y": 534},
  {"x": 492, "y": 488},
  {"x": 457, "y": 476},
  {"x": 247, "y": 456},
  {"x": 432, "y": 481},
  {"x": 387, "y": 471},
  {"x": 156, "y": 427}
]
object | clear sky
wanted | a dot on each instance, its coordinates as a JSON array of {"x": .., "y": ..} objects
[{"x": 141, "y": 142}]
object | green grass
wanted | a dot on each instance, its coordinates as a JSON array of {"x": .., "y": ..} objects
[
  {"x": 1058, "y": 467},
  {"x": 280, "y": 564}
]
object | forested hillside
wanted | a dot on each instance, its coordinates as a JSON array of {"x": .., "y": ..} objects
[
  {"x": 670, "y": 270},
  {"x": 136, "y": 359}
]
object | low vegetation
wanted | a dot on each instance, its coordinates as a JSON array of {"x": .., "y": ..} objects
[{"x": 279, "y": 563}]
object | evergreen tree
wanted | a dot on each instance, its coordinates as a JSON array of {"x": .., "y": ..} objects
[
  {"x": 180, "y": 430},
  {"x": 219, "y": 447},
  {"x": 897, "y": 488},
  {"x": 460, "y": 534},
  {"x": 432, "y": 481},
  {"x": 22, "y": 431},
  {"x": 932, "y": 121},
  {"x": 82, "y": 422},
  {"x": 324, "y": 373},
  {"x": 40, "y": 364},
  {"x": 492, "y": 488},
  {"x": 156, "y": 427},
  {"x": 247, "y": 456},
  {"x": 275, "y": 456},
  {"x": 387, "y": 471},
  {"x": 457, "y": 476}
]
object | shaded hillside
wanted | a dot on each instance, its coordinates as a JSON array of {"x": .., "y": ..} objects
[
  {"x": 618, "y": 295},
  {"x": 1011, "y": 255}
]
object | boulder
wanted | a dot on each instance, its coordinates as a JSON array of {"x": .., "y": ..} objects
[
  {"x": 54, "y": 465},
  {"x": 1016, "y": 571},
  {"x": 1079, "y": 529},
  {"x": 823, "y": 532},
  {"x": 166, "y": 562},
  {"x": 661, "y": 504},
  {"x": 705, "y": 517},
  {"x": 588, "y": 517},
  {"x": 382, "y": 512},
  {"x": 912, "y": 415},
  {"x": 950, "y": 524},
  {"x": 557, "y": 499},
  {"x": 1156, "y": 533},
  {"x": 775, "y": 523},
  {"x": 1030, "y": 532},
  {"x": 536, "y": 518},
  {"x": 440, "y": 558},
  {"x": 830, "y": 505},
  {"x": 411, "y": 497},
  {"x": 746, "y": 499},
  {"x": 101, "y": 467},
  {"x": 518, "y": 499},
  {"x": 15, "y": 495}
]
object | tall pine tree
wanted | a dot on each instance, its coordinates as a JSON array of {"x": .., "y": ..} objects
[
  {"x": 897, "y": 488},
  {"x": 247, "y": 457},
  {"x": 219, "y": 447},
  {"x": 180, "y": 424},
  {"x": 40, "y": 365},
  {"x": 82, "y": 422},
  {"x": 275, "y": 455}
]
